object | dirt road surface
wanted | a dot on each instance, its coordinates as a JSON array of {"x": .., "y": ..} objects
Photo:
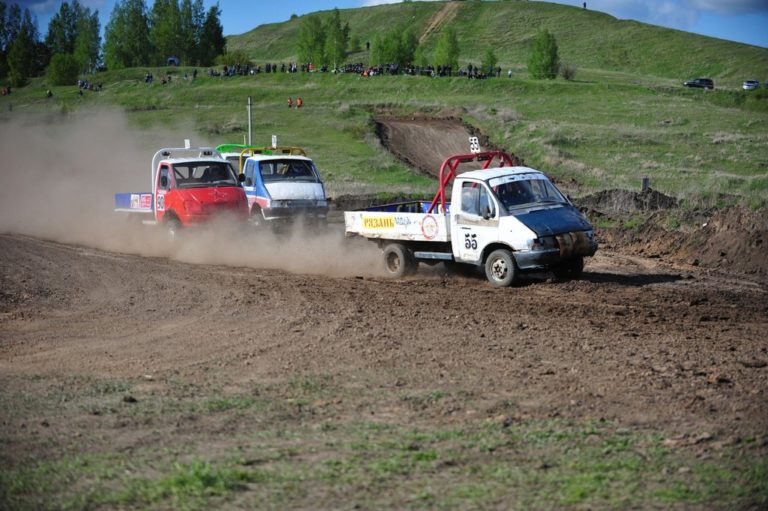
[{"x": 635, "y": 341}]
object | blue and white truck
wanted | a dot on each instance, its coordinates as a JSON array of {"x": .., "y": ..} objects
[
  {"x": 282, "y": 184},
  {"x": 506, "y": 219}
]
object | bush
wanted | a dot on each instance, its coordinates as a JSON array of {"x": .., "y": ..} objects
[
  {"x": 62, "y": 70},
  {"x": 544, "y": 61}
]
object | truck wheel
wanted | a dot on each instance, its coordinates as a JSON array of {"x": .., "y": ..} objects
[
  {"x": 571, "y": 269},
  {"x": 172, "y": 229},
  {"x": 398, "y": 260},
  {"x": 257, "y": 218},
  {"x": 500, "y": 268}
]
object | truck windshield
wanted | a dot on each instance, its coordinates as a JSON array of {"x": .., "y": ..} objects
[
  {"x": 201, "y": 174},
  {"x": 524, "y": 192},
  {"x": 287, "y": 170}
]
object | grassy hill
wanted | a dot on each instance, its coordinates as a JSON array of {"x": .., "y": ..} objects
[
  {"x": 586, "y": 39},
  {"x": 620, "y": 120}
]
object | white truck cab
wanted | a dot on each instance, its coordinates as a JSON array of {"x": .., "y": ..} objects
[
  {"x": 281, "y": 184},
  {"x": 508, "y": 219}
]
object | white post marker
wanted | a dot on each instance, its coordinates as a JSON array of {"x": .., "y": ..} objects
[
  {"x": 274, "y": 141},
  {"x": 474, "y": 145}
]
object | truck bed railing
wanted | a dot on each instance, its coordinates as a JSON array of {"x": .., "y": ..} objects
[
  {"x": 271, "y": 151},
  {"x": 449, "y": 166}
]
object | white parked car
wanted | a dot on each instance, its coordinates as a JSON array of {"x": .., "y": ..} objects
[{"x": 751, "y": 85}]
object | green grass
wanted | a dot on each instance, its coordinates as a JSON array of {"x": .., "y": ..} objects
[
  {"x": 589, "y": 136},
  {"x": 295, "y": 444}
]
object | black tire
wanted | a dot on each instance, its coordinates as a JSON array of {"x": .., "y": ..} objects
[
  {"x": 500, "y": 268},
  {"x": 172, "y": 229},
  {"x": 571, "y": 269},
  {"x": 257, "y": 218},
  {"x": 398, "y": 260}
]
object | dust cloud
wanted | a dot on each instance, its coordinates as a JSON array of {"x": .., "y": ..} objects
[{"x": 59, "y": 175}]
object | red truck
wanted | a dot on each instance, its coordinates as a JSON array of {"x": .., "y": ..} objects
[{"x": 190, "y": 187}]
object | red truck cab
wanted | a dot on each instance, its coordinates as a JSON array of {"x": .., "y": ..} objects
[{"x": 190, "y": 186}]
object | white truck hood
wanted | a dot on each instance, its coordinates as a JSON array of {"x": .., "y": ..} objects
[{"x": 295, "y": 191}]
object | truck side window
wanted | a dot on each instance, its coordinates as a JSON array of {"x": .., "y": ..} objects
[
  {"x": 249, "y": 169},
  {"x": 164, "y": 181},
  {"x": 469, "y": 195},
  {"x": 486, "y": 204}
]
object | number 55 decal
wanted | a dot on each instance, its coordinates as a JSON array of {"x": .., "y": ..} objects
[{"x": 470, "y": 241}]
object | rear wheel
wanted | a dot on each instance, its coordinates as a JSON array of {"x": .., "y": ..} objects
[
  {"x": 398, "y": 260},
  {"x": 500, "y": 268},
  {"x": 571, "y": 269}
]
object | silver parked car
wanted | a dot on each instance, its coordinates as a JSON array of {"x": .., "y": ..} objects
[{"x": 750, "y": 85}]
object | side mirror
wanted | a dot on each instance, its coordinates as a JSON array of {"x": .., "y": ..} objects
[
  {"x": 164, "y": 182},
  {"x": 249, "y": 182},
  {"x": 487, "y": 214},
  {"x": 240, "y": 178}
]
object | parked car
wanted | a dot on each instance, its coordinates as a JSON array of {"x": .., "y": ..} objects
[
  {"x": 751, "y": 85},
  {"x": 700, "y": 83}
]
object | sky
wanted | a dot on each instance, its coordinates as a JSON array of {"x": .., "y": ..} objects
[{"x": 744, "y": 21}]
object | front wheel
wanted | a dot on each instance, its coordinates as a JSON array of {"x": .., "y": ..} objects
[
  {"x": 500, "y": 268},
  {"x": 257, "y": 219},
  {"x": 398, "y": 260},
  {"x": 172, "y": 229}
]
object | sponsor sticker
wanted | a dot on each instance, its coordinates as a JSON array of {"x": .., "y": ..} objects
[
  {"x": 378, "y": 222},
  {"x": 429, "y": 227},
  {"x": 145, "y": 201}
]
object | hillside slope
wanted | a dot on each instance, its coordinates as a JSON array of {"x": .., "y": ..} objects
[{"x": 586, "y": 38}]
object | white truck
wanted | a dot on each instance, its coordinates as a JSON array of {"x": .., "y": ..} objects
[
  {"x": 506, "y": 219},
  {"x": 282, "y": 184}
]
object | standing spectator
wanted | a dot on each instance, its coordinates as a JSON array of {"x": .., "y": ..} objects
[
  {"x": 290, "y": 103},
  {"x": 298, "y": 102}
]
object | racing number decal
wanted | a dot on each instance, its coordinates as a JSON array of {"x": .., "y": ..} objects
[
  {"x": 470, "y": 241},
  {"x": 161, "y": 202}
]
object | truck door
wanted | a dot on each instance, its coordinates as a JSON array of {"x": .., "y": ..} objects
[
  {"x": 162, "y": 188},
  {"x": 475, "y": 221}
]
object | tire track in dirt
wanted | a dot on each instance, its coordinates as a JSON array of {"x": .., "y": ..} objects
[{"x": 441, "y": 17}]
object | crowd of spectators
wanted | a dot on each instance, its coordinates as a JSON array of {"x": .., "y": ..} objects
[{"x": 472, "y": 72}]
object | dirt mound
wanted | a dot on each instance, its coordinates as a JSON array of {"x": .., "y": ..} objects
[
  {"x": 423, "y": 142},
  {"x": 625, "y": 201},
  {"x": 734, "y": 238}
]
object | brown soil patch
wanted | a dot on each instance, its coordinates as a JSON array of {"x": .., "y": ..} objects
[
  {"x": 424, "y": 141},
  {"x": 636, "y": 341}
]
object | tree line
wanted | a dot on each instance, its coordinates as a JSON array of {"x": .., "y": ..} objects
[
  {"x": 134, "y": 36},
  {"x": 137, "y": 36},
  {"x": 324, "y": 42}
]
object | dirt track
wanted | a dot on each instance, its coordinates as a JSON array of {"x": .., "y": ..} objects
[{"x": 636, "y": 341}]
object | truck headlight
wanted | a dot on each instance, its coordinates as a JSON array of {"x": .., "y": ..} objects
[{"x": 542, "y": 243}]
